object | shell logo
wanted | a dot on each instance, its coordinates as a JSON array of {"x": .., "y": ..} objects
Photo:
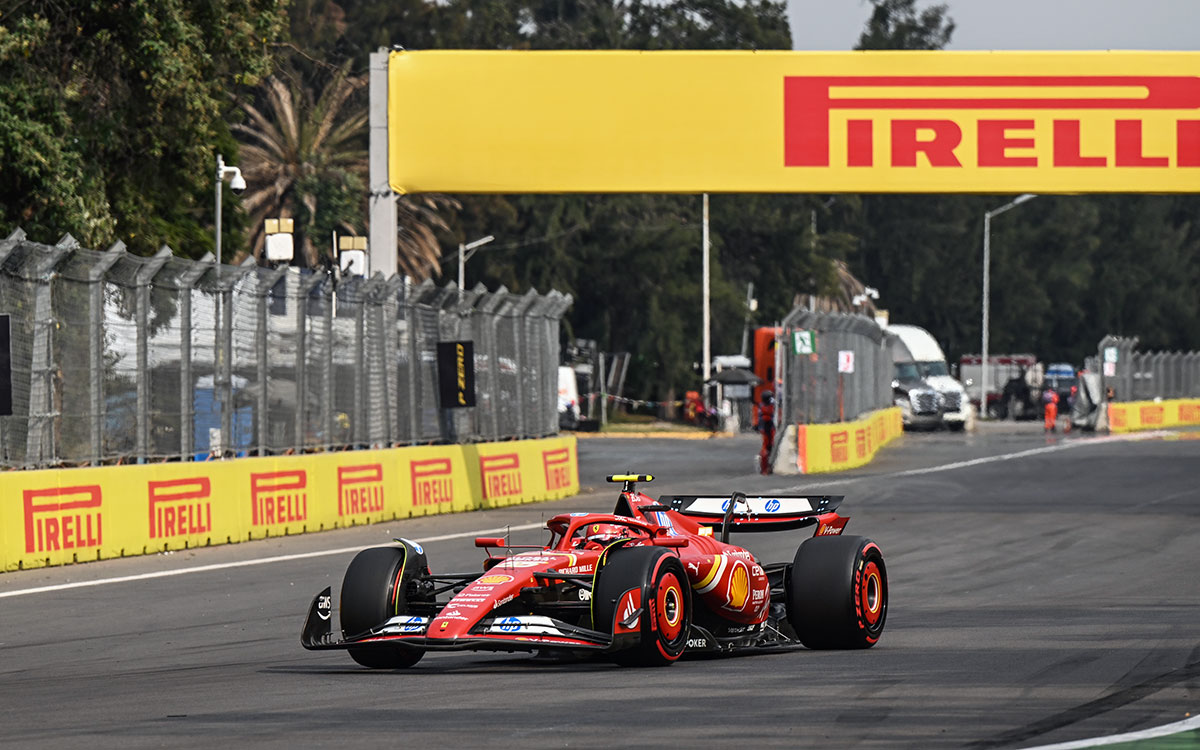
[
  {"x": 739, "y": 586},
  {"x": 494, "y": 579}
]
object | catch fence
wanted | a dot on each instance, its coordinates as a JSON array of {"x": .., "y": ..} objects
[
  {"x": 116, "y": 358},
  {"x": 1143, "y": 376},
  {"x": 833, "y": 367}
]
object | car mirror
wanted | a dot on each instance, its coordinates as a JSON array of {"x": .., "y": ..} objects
[
  {"x": 489, "y": 541},
  {"x": 669, "y": 541}
]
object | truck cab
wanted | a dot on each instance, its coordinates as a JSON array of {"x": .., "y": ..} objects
[{"x": 928, "y": 396}]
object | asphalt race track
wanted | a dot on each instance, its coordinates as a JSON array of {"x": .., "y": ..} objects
[{"x": 1042, "y": 590}]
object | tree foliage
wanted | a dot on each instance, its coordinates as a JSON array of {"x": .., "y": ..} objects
[{"x": 111, "y": 113}]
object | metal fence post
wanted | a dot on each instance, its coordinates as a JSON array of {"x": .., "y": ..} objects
[
  {"x": 145, "y": 276},
  {"x": 41, "y": 446},
  {"x": 304, "y": 289},
  {"x": 187, "y": 396},
  {"x": 96, "y": 345},
  {"x": 267, "y": 279}
]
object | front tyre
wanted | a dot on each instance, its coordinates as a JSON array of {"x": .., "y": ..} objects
[
  {"x": 653, "y": 580},
  {"x": 372, "y": 593},
  {"x": 837, "y": 592}
]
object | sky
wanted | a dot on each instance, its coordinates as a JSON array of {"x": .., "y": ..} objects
[{"x": 1018, "y": 24}]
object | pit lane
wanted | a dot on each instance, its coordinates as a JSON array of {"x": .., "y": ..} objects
[{"x": 1042, "y": 590}]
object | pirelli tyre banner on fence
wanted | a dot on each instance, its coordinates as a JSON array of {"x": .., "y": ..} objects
[
  {"x": 1130, "y": 416},
  {"x": 845, "y": 445},
  {"x": 812, "y": 122},
  {"x": 51, "y": 517}
]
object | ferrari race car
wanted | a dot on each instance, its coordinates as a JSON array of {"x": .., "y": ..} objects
[{"x": 641, "y": 585}]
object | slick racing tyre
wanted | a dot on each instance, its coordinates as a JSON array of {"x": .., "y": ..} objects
[
  {"x": 654, "y": 581},
  {"x": 837, "y": 592},
  {"x": 372, "y": 593}
]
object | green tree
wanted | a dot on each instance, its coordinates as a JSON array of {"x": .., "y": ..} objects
[
  {"x": 111, "y": 114},
  {"x": 897, "y": 24},
  {"x": 298, "y": 147}
]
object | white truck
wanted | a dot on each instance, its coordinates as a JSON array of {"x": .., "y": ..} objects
[{"x": 928, "y": 396}]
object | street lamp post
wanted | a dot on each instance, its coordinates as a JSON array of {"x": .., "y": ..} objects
[
  {"x": 236, "y": 184},
  {"x": 464, "y": 256},
  {"x": 987, "y": 257},
  {"x": 706, "y": 364}
]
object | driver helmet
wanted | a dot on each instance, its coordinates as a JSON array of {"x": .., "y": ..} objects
[
  {"x": 768, "y": 397},
  {"x": 602, "y": 533}
]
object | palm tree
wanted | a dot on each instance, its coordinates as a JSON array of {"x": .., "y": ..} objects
[{"x": 301, "y": 150}]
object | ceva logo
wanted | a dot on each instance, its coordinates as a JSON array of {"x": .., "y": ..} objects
[{"x": 1078, "y": 109}]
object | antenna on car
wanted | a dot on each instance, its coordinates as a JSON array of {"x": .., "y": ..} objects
[{"x": 630, "y": 480}]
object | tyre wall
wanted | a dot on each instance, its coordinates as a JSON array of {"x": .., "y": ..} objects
[
  {"x": 836, "y": 447},
  {"x": 1130, "y": 416},
  {"x": 58, "y": 516}
]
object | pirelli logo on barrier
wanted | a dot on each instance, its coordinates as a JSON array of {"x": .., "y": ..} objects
[
  {"x": 839, "y": 447},
  {"x": 1152, "y": 415},
  {"x": 501, "y": 475},
  {"x": 558, "y": 469},
  {"x": 432, "y": 482},
  {"x": 278, "y": 497},
  {"x": 180, "y": 507},
  {"x": 360, "y": 489},
  {"x": 953, "y": 122},
  {"x": 63, "y": 518}
]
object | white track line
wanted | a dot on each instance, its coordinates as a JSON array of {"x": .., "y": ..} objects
[
  {"x": 1116, "y": 739},
  {"x": 247, "y": 563},
  {"x": 984, "y": 460}
]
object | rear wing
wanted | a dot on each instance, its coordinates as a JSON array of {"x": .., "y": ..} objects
[{"x": 757, "y": 513}]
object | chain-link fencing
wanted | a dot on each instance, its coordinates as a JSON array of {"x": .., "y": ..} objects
[
  {"x": 833, "y": 367},
  {"x": 116, "y": 357},
  {"x": 1143, "y": 376}
]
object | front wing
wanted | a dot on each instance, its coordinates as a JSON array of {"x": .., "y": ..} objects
[
  {"x": 517, "y": 633},
  {"x": 524, "y": 633}
]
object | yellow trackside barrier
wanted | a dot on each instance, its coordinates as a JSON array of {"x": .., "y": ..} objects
[
  {"x": 845, "y": 445},
  {"x": 57, "y": 516},
  {"x": 1130, "y": 416}
]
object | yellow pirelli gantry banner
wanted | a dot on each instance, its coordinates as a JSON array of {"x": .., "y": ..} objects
[
  {"x": 1131, "y": 416},
  {"x": 51, "y": 517},
  {"x": 619, "y": 121},
  {"x": 845, "y": 445}
]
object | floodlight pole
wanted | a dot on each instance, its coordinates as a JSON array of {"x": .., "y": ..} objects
[
  {"x": 464, "y": 255},
  {"x": 705, "y": 366},
  {"x": 987, "y": 258}
]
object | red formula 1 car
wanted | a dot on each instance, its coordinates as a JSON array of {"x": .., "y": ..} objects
[{"x": 641, "y": 585}]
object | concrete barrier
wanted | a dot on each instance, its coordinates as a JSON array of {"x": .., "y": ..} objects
[
  {"x": 1130, "y": 416},
  {"x": 818, "y": 448},
  {"x": 59, "y": 516}
]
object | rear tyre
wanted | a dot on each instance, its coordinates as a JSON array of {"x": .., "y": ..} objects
[
  {"x": 660, "y": 587},
  {"x": 837, "y": 592},
  {"x": 372, "y": 593}
]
